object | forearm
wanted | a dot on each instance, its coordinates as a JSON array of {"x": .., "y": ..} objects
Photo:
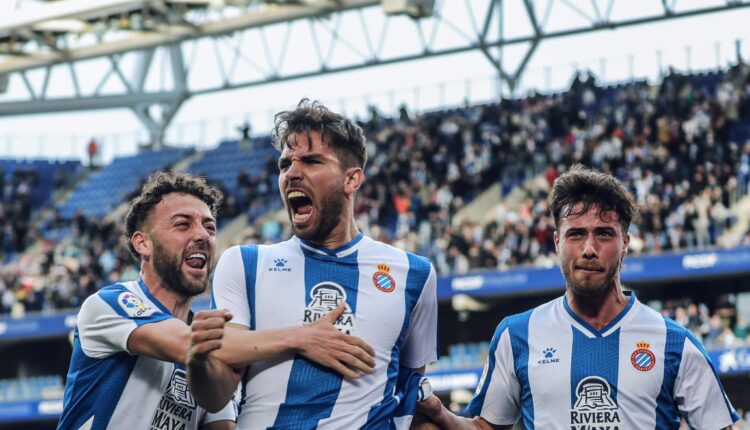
[
  {"x": 242, "y": 347},
  {"x": 212, "y": 383},
  {"x": 168, "y": 340}
]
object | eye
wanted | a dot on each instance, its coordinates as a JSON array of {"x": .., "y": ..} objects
[
  {"x": 210, "y": 227},
  {"x": 182, "y": 225}
]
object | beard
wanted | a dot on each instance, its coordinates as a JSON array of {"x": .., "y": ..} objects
[
  {"x": 167, "y": 268},
  {"x": 589, "y": 287},
  {"x": 331, "y": 207}
]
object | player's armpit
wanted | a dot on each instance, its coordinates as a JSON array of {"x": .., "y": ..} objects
[{"x": 165, "y": 340}]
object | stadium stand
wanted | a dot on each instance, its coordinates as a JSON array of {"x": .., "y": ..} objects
[{"x": 682, "y": 147}]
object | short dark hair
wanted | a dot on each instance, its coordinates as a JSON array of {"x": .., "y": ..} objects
[
  {"x": 589, "y": 186},
  {"x": 346, "y": 137},
  {"x": 160, "y": 184}
]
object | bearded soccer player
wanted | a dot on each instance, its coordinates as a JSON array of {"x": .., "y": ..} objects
[
  {"x": 132, "y": 342},
  {"x": 596, "y": 357},
  {"x": 387, "y": 295}
]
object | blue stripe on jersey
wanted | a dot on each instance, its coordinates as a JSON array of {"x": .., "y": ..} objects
[
  {"x": 312, "y": 389},
  {"x": 698, "y": 345},
  {"x": 88, "y": 378},
  {"x": 419, "y": 271},
  {"x": 250, "y": 263},
  {"x": 110, "y": 295},
  {"x": 667, "y": 416},
  {"x": 519, "y": 341},
  {"x": 596, "y": 356},
  {"x": 476, "y": 403}
]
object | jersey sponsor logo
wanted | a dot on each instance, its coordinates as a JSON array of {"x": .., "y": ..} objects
[
  {"x": 642, "y": 358},
  {"x": 325, "y": 297},
  {"x": 594, "y": 408},
  {"x": 383, "y": 280},
  {"x": 549, "y": 356},
  {"x": 177, "y": 408},
  {"x": 279, "y": 265},
  {"x": 133, "y": 305}
]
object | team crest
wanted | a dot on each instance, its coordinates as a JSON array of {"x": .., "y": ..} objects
[
  {"x": 325, "y": 297},
  {"x": 133, "y": 305},
  {"x": 594, "y": 408},
  {"x": 642, "y": 358},
  {"x": 383, "y": 280}
]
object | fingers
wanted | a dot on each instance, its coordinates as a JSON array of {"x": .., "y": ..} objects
[
  {"x": 356, "y": 359},
  {"x": 332, "y": 316},
  {"x": 358, "y": 342},
  {"x": 213, "y": 313}
]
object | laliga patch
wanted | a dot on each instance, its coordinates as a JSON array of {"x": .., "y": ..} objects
[
  {"x": 133, "y": 305},
  {"x": 383, "y": 280},
  {"x": 642, "y": 358},
  {"x": 325, "y": 297}
]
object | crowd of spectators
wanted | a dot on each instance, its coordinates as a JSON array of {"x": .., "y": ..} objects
[
  {"x": 15, "y": 211},
  {"x": 679, "y": 146},
  {"x": 718, "y": 326}
]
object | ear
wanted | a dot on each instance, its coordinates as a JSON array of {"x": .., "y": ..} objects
[
  {"x": 625, "y": 243},
  {"x": 141, "y": 243},
  {"x": 353, "y": 180},
  {"x": 556, "y": 238}
]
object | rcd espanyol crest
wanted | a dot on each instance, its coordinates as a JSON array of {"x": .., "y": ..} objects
[{"x": 325, "y": 297}]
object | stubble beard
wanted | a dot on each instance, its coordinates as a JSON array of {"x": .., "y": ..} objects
[{"x": 589, "y": 289}]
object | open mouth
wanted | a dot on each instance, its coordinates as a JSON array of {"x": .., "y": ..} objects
[
  {"x": 196, "y": 260},
  {"x": 300, "y": 205}
]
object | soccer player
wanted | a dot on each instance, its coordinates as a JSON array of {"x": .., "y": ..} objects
[
  {"x": 596, "y": 357},
  {"x": 388, "y": 295},
  {"x": 132, "y": 343}
]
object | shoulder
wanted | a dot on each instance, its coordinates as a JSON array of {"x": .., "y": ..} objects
[
  {"x": 115, "y": 295},
  {"x": 416, "y": 262}
]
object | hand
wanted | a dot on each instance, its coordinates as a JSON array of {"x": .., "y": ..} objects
[
  {"x": 206, "y": 333},
  {"x": 322, "y": 343},
  {"x": 431, "y": 407}
]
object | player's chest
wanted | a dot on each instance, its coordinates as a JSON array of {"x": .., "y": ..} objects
[{"x": 301, "y": 291}]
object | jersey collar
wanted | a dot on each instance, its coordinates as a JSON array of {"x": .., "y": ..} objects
[
  {"x": 151, "y": 297},
  {"x": 341, "y": 251},
  {"x": 606, "y": 330}
]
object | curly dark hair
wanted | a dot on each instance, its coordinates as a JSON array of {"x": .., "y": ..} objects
[
  {"x": 160, "y": 184},
  {"x": 581, "y": 184},
  {"x": 346, "y": 137}
]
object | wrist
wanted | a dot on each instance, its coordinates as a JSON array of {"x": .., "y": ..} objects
[{"x": 293, "y": 339}]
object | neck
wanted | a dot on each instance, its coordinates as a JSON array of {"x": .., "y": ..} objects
[
  {"x": 598, "y": 311},
  {"x": 176, "y": 303},
  {"x": 343, "y": 233}
]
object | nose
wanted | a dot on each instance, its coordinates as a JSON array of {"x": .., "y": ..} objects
[
  {"x": 293, "y": 172},
  {"x": 589, "y": 248},
  {"x": 201, "y": 234}
]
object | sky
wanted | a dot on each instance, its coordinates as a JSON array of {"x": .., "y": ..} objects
[{"x": 697, "y": 43}]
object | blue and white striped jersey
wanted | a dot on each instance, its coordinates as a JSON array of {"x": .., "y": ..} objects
[
  {"x": 108, "y": 387},
  {"x": 641, "y": 371},
  {"x": 391, "y": 304}
]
